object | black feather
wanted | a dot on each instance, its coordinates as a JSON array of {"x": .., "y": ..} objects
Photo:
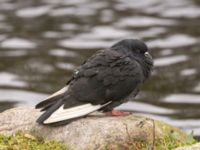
[
  {"x": 48, "y": 102},
  {"x": 49, "y": 111}
]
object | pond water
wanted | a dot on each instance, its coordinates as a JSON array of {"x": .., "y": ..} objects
[{"x": 43, "y": 41}]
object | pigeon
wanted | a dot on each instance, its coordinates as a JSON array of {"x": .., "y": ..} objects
[{"x": 107, "y": 79}]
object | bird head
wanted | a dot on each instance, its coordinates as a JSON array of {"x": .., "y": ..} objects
[{"x": 138, "y": 50}]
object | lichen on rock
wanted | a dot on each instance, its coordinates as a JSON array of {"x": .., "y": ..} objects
[{"x": 26, "y": 141}]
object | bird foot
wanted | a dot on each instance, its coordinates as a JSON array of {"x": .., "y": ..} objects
[{"x": 117, "y": 113}]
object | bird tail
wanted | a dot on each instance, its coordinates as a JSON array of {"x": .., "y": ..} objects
[
  {"x": 61, "y": 108},
  {"x": 51, "y": 103},
  {"x": 49, "y": 111},
  {"x": 52, "y": 99}
]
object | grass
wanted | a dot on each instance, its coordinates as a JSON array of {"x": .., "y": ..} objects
[
  {"x": 171, "y": 138},
  {"x": 26, "y": 141},
  {"x": 171, "y": 141},
  {"x": 166, "y": 143}
]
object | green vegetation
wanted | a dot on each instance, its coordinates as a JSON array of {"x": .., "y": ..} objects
[
  {"x": 172, "y": 138},
  {"x": 26, "y": 141},
  {"x": 166, "y": 143},
  {"x": 169, "y": 139}
]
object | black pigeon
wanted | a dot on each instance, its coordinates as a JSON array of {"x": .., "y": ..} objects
[{"x": 107, "y": 79}]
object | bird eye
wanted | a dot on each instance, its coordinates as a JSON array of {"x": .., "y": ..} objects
[{"x": 137, "y": 51}]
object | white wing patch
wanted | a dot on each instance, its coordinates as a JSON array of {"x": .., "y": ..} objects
[
  {"x": 74, "y": 112},
  {"x": 61, "y": 91}
]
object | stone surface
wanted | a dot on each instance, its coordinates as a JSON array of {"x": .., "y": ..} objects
[{"x": 92, "y": 132}]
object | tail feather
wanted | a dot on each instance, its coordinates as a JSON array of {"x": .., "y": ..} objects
[
  {"x": 52, "y": 99},
  {"x": 47, "y": 106},
  {"x": 62, "y": 114},
  {"x": 49, "y": 111},
  {"x": 62, "y": 108}
]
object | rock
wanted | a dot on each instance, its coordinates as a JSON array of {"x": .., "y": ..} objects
[
  {"x": 193, "y": 147},
  {"x": 95, "y": 132}
]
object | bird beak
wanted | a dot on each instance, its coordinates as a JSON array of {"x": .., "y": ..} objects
[{"x": 146, "y": 54}]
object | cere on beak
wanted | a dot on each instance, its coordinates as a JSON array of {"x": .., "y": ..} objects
[{"x": 146, "y": 54}]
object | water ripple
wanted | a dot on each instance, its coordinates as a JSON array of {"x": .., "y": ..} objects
[
  {"x": 22, "y": 97},
  {"x": 173, "y": 41},
  {"x": 144, "y": 21},
  {"x": 11, "y": 80},
  {"x": 33, "y": 12},
  {"x": 166, "y": 61},
  {"x": 84, "y": 44},
  {"x": 183, "y": 98},
  {"x": 18, "y": 43}
]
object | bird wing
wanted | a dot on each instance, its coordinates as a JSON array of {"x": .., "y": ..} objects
[{"x": 106, "y": 76}]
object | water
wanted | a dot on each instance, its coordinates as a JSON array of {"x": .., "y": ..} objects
[{"x": 43, "y": 41}]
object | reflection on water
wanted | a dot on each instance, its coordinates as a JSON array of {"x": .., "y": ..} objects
[
  {"x": 42, "y": 42},
  {"x": 183, "y": 98},
  {"x": 197, "y": 88},
  {"x": 140, "y": 21},
  {"x": 170, "y": 60},
  {"x": 21, "y": 96},
  {"x": 139, "y": 107},
  {"x": 181, "y": 41},
  {"x": 17, "y": 43},
  {"x": 8, "y": 79}
]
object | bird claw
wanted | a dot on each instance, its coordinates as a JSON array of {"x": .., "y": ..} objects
[{"x": 117, "y": 113}]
